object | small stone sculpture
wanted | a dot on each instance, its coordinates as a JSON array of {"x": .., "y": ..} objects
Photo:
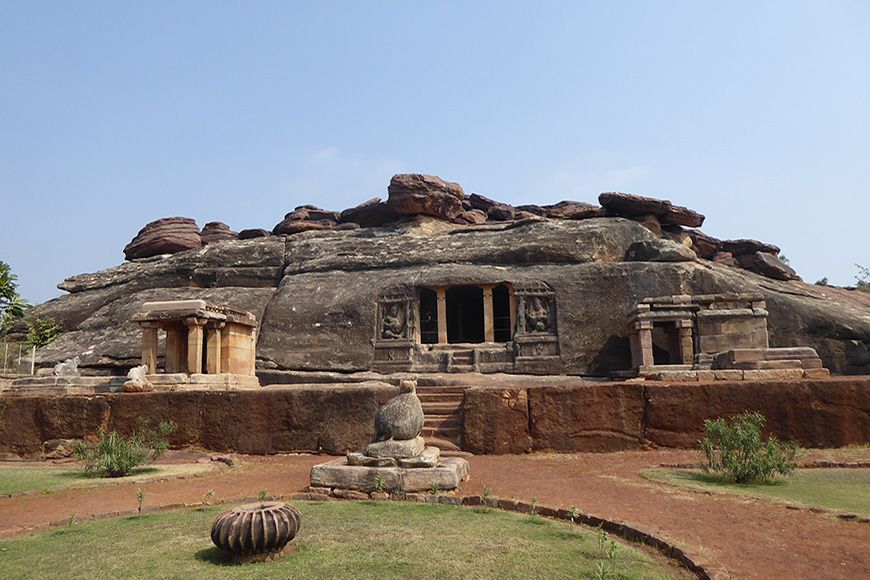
[
  {"x": 394, "y": 327},
  {"x": 256, "y": 532},
  {"x": 137, "y": 380},
  {"x": 68, "y": 368},
  {"x": 538, "y": 315},
  {"x": 398, "y": 425},
  {"x": 402, "y": 417}
]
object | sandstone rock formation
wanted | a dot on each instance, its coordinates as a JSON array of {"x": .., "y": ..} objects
[
  {"x": 164, "y": 236},
  {"x": 415, "y": 194},
  {"x": 216, "y": 232},
  {"x": 430, "y": 234}
]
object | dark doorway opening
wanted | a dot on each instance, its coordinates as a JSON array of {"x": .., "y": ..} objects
[
  {"x": 428, "y": 316},
  {"x": 465, "y": 314},
  {"x": 666, "y": 344},
  {"x": 501, "y": 313}
]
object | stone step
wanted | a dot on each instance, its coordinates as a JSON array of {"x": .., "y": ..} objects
[
  {"x": 451, "y": 423},
  {"x": 447, "y": 445},
  {"x": 444, "y": 407},
  {"x": 440, "y": 389},
  {"x": 426, "y": 397},
  {"x": 461, "y": 368},
  {"x": 451, "y": 433}
]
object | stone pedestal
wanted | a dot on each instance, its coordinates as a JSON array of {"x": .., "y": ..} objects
[{"x": 338, "y": 475}]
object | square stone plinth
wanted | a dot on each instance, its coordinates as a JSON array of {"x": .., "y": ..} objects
[{"x": 337, "y": 474}]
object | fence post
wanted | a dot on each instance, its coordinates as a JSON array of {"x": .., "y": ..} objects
[{"x": 32, "y": 359}]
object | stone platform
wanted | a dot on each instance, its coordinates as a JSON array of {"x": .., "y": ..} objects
[
  {"x": 39, "y": 385},
  {"x": 202, "y": 382},
  {"x": 337, "y": 474}
]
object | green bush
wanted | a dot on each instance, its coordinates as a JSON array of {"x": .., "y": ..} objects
[
  {"x": 42, "y": 331},
  {"x": 114, "y": 455},
  {"x": 735, "y": 447}
]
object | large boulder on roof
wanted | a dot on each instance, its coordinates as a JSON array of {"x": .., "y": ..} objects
[
  {"x": 164, "y": 236},
  {"x": 418, "y": 194}
]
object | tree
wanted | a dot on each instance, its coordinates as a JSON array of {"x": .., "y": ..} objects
[
  {"x": 863, "y": 278},
  {"x": 12, "y": 305},
  {"x": 42, "y": 331}
]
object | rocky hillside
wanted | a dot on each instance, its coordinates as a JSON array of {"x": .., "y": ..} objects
[{"x": 313, "y": 279}]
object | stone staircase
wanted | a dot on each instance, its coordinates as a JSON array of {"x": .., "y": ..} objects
[
  {"x": 462, "y": 361},
  {"x": 442, "y": 415}
]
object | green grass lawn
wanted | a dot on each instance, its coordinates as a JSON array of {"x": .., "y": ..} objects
[
  {"x": 840, "y": 489},
  {"x": 337, "y": 540},
  {"x": 22, "y": 478}
]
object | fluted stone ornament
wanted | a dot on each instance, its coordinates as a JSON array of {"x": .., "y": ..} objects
[{"x": 257, "y": 531}]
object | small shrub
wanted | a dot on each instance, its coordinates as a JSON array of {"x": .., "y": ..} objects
[
  {"x": 435, "y": 489},
  {"x": 140, "y": 499},
  {"x": 380, "y": 484},
  {"x": 735, "y": 447},
  {"x": 114, "y": 455},
  {"x": 534, "y": 506},
  {"x": 575, "y": 513},
  {"x": 261, "y": 495},
  {"x": 486, "y": 492},
  {"x": 822, "y": 282},
  {"x": 42, "y": 331}
]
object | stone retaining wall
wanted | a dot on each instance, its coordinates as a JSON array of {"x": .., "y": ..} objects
[
  {"x": 333, "y": 419},
  {"x": 620, "y": 416},
  {"x": 273, "y": 420}
]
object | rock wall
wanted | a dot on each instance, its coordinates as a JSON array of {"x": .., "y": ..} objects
[
  {"x": 620, "y": 416},
  {"x": 306, "y": 418}
]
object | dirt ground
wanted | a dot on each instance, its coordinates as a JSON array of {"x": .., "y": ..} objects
[{"x": 750, "y": 538}]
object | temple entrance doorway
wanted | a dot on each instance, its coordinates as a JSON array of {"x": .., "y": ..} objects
[
  {"x": 666, "y": 344},
  {"x": 465, "y": 314}
]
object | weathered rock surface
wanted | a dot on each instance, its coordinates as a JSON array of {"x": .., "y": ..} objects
[
  {"x": 618, "y": 203},
  {"x": 768, "y": 265},
  {"x": 164, "y": 236},
  {"x": 416, "y": 194},
  {"x": 216, "y": 232},
  {"x": 705, "y": 246},
  {"x": 626, "y": 204},
  {"x": 372, "y": 213},
  {"x": 683, "y": 216},
  {"x": 573, "y": 210},
  {"x": 252, "y": 233},
  {"x": 501, "y": 213},
  {"x": 472, "y": 217},
  {"x": 659, "y": 251},
  {"x": 742, "y": 247}
]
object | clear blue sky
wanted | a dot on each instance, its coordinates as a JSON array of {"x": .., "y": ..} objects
[{"x": 116, "y": 113}]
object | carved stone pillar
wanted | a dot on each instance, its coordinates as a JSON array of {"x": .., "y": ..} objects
[
  {"x": 194, "y": 344},
  {"x": 149, "y": 346},
  {"x": 644, "y": 335},
  {"x": 687, "y": 348},
  {"x": 213, "y": 348},
  {"x": 176, "y": 348},
  {"x": 488, "y": 320},
  {"x": 441, "y": 294}
]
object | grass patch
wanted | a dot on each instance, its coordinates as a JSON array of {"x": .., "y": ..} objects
[
  {"x": 336, "y": 540},
  {"x": 840, "y": 489},
  {"x": 24, "y": 478}
]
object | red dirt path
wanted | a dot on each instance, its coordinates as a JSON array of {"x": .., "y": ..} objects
[{"x": 747, "y": 537}]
